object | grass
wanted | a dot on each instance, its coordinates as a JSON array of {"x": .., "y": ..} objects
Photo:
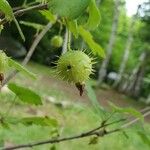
[{"x": 74, "y": 119}]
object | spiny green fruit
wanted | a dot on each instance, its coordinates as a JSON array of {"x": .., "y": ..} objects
[
  {"x": 3, "y": 62},
  {"x": 74, "y": 66},
  {"x": 57, "y": 41}
]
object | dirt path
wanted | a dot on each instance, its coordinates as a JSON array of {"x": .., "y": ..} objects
[{"x": 104, "y": 96}]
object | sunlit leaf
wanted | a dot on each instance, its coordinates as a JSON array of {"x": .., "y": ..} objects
[
  {"x": 72, "y": 26},
  {"x": 94, "y": 16},
  {"x": 21, "y": 68},
  {"x": 43, "y": 121},
  {"x": 48, "y": 15},
  {"x": 144, "y": 138},
  {"x": 24, "y": 94},
  {"x": 70, "y": 9},
  {"x": 130, "y": 111},
  {"x": 6, "y": 9},
  {"x": 88, "y": 38}
]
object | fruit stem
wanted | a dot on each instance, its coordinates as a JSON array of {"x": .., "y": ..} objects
[{"x": 69, "y": 39}]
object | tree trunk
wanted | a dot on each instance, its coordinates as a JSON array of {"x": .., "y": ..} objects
[
  {"x": 134, "y": 83},
  {"x": 124, "y": 60},
  {"x": 103, "y": 68},
  {"x": 126, "y": 51},
  {"x": 130, "y": 82},
  {"x": 148, "y": 99}
]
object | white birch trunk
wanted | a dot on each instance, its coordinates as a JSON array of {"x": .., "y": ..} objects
[
  {"x": 103, "y": 68},
  {"x": 126, "y": 51}
]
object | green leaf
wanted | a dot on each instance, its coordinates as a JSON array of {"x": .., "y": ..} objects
[
  {"x": 48, "y": 15},
  {"x": 73, "y": 27},
  {"x": 94, "y": 16},
  {"x": 70, "y": 9},
  {"x": 33, "y": 25},
  {"x": 21, "y": 68},
  {"x": 53, "y": 147},
  {"x": 92, "y": 97},
  {"x": 88, "y": 38},
  {"x": 130, "y": 111},
  {"x": 144, "y": 138},
  {"x": 24, "y": 94},
  {"x": 43, "y": 121},
  {"x": 82, "y": 20},
  {"x": 6, "y": 9},
  {"x": 93, "y": 140}
]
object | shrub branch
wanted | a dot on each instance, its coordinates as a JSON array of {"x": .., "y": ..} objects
[
  {"x": 25, "y": 10},
  {"x": 100, "y": 131},
  {"x": 30, "y": 52}
]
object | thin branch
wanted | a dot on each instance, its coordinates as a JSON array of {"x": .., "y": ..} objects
[
  {"x": 64, "y": 48},
  {"x": 100, "y": 134},
  {"x": 93, "y": 132},
  {"x": 30, "y": 52},
  {"x": 135, "y": 120},
  {"x": 25, "y": 10}
]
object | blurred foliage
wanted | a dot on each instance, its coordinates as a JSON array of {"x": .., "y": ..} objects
[{"x": 45, "y": 53}]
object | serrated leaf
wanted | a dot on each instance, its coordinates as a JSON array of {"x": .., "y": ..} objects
[
  {"x": 33, "y": 25},
  {"x": 48, "y": 15},
  {"x": 70, "y": 9},
  {"x": 130, "y": 111},
  {"x": 43, "y": 121},
  {"x": 24, "y": 94},
  {"x": 6, "y": 9},
  {"x": 21, "y": 68},
  {"x": 73, "y": 27},
  {"x": 88, "y": 38},
  {"x": 144, "y": 138},
  {"x": 94, "y": 16}
]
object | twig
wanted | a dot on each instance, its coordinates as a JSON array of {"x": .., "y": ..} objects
[
  {"x": 135, "y": 120},
  {"x": 82, "y": 135},
  {"x": 64, "y": 48},
  {"x": 145, "y": 109},
  {"x": 25, "y": 10},
  {"x": 100, "y": 134},
  {"x": 30, "y": 52}
]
